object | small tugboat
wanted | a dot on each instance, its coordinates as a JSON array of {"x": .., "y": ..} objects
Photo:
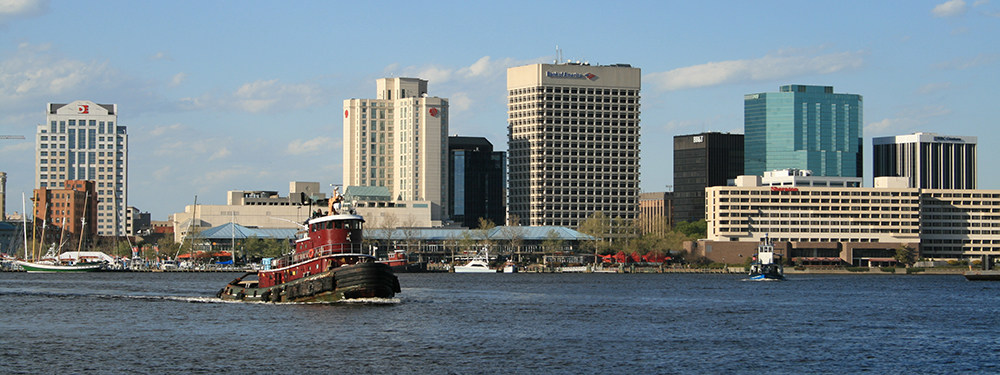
[
  {"x": 766, "y": 264},
  {"x": 399, "y": 263},
  {"x": 326, "y": 266}
]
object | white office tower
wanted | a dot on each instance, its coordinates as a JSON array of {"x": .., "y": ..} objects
[{"x": 83, "y": 141}]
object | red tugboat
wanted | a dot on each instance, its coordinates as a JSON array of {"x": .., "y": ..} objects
[{"x": 327, "y": 265}]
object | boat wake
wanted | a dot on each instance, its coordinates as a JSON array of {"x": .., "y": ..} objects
[{"x": 762, "y": 280}]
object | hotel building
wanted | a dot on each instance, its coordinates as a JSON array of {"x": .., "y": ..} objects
[
  {"x": 573, "y": 142},
  {"x": 803, "y": 127},
  {"x": 82, "y": 141},
  {"x": 399, "y": 140},
  {"x": 928, "y": 160},
  {"x": 856, "y": 225}
]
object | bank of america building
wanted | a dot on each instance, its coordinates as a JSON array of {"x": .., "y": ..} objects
[
  {"x": 573, "y": 142},
  {"x": 82, "y": 141}
]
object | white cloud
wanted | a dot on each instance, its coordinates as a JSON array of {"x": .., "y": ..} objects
[
  {"x": 480, "y": 67},
  {"x": 951, "y": 8},
  {"x": 162, "y": 55},
  {"x": 162, "y": 174},
  {"x": 259, "y": 96},
  {"x": 10, "y": 9},
  {"x": 779, "y": 65},
  {"x": 959, "y": 63},
  {"x": 486, "y": 67},
  {"x": 220, "y": 153},
  {"x": 482, "y": 70},
  {"x": 38, "y": 73},
  {"x": 907, "y": 120},
  {"x": 459, "y": 101},
  {"x": 263, "y": 96},
  {"x": 931, "y": 88},
  {"x": 177, "y": 79},
  {"x": 163, "y": 130},
  {"x": 980, "y": 2},
  {"x": 696, "y": 125},
  {"x": 225, "y": 176},
  {"x": 199, "y": 149},
  {"x": 318, "y": 144}
]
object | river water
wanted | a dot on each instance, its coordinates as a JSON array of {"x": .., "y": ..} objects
[{"x": 495, "y": 323}]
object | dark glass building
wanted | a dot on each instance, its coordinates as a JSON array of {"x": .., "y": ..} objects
[
  {"x": 477, "y": 182},
  {"x": 701, "y": 161}
]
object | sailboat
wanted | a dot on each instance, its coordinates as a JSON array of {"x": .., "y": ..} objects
[{"x": 50, "y": 262}]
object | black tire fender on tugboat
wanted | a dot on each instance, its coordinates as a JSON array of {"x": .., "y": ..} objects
[
  {"x": 219, "y": 293},
  {"x": 266, "y": 296},
  {"x": 240, "y": 295}
]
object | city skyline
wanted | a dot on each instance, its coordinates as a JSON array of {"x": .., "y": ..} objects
[{"x": 248, "y": 97}]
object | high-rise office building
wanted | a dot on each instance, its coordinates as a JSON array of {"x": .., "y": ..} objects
[
  {"x": 477, "y": 182},
  {"x": 701, "y": 161},
  {"x": 83, "y": 141},
  {"x": 803, "y": 127},
  {"x": 573, "y": 142},
  {"x": 399, "y": 140},
  {"x": 928, "y": 160}
]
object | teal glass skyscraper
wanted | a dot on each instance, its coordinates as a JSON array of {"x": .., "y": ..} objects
[{"x": 803, "y": 127}]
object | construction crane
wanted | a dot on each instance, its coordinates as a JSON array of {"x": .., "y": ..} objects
[{"x": 11, "y": 137}]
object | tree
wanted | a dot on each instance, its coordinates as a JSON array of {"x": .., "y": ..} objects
[
  {"x": 483, "y": 233},
  {"x": 553, "y": 242},
  {"x": 255, "y": 247},
  {"x": 166, "y": 247},
  {"x": 693, "y": 230},
  {"x": 598, "y": 226},
  {"x": 903, "y": 255},
  {"x": 514, "y": 234}
]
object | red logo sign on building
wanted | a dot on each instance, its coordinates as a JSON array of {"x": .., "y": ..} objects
[
  {"x": 433, "y": 112},
  {"x": 345, "y": 113},
  {"x": 83, "y": 109}
]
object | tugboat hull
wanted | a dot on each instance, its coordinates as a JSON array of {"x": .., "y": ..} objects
[{"x": 362, "y": 280}]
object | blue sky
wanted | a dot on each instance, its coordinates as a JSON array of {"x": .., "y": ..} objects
[{"x": 221, "y": 96}]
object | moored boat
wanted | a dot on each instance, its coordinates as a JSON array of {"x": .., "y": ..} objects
[
  {"x": 766, "y": 265},
  {"x": 985, "y": 275},
  {"x": 327, "y": 265},
  {"x": 51, "y": 263},
  {"x": 33, "y": 267},
  {"x": 510, "y": 267},
  {"x": 478, "y": 264}
]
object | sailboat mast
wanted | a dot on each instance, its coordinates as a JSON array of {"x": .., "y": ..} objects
[
  {"x": 83, "y": 224},
  {"x": 232, "y": 240},
  {"x": 24, "y": 223}
]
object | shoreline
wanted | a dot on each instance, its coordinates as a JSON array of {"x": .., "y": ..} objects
[{"x": 624, "y": 269}]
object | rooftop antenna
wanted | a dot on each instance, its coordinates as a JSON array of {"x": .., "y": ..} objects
[{"x": 558, "y": 55}]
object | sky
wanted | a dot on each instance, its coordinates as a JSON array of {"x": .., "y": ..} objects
[{"x": 248, "y": 95}]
